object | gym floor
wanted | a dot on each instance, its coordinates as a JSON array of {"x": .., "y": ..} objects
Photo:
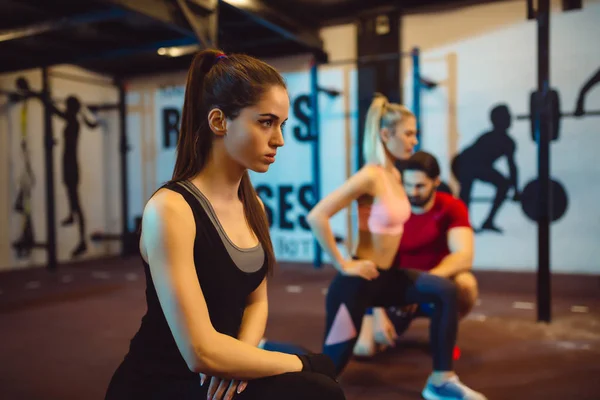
[{"x": 62, "y": 334}]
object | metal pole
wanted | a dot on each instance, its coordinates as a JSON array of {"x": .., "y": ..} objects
[
  {"x": 417, "y": 91},
  {"x": 316, "y": 167},
  {"x": 123, "y": 149},
  {"x": 49, "y": 161},
  {"x": 543, "y": 134},
  {"x": 368, "y": 59}
]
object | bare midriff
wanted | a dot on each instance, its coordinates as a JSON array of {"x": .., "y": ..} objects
[{"x": 379, "y": 248}]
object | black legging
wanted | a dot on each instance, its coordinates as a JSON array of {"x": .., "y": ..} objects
[
  {"x": 394, "y": 287},
  {"x": 126, "y": 385}
]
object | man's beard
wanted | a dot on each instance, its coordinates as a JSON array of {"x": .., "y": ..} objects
[{"x": 418, "y": 201}]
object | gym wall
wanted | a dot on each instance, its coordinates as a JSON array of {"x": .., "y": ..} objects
[
  {"x": 485, "y": 56},
  {"x": 98, "y": 162}
]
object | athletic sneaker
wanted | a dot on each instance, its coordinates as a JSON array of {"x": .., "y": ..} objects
[{"x": 452, "y": 389}]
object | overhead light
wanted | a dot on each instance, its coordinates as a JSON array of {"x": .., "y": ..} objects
[
  {"x": 239, "y": 2},
  {"x": 178, "y": 51},
  {"x": 244, "y": 4}
]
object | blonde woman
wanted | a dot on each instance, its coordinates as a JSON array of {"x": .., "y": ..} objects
[{"x": 367, "y": 280}]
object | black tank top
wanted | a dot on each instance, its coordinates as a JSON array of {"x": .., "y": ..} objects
[{"x": 153, "y": 351}]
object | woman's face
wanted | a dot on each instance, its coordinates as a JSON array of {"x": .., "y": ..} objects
[
  {"x": 253, "y": 137},
  {"x": 401, "y": 141}
]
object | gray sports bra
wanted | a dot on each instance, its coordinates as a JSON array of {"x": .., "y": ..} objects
[{"x": 248, "y": 259}]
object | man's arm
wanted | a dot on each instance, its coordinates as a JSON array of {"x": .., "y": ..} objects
[
  {"x": 460, "y": 259},
  {"x": 460, "y": 242},
  {"x": 255, "y": 316}
]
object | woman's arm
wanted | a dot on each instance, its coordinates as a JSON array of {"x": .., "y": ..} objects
[
  {"x": 254, "y": 320},
  {"x": 255, "y": 316},
  {"x": 357, "y": 185},
  {"x": 168, "y": 237}
]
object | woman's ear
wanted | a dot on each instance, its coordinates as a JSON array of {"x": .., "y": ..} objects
[
  {"x": 385, "y": 134},
  {"x": 217, "y": 122}
]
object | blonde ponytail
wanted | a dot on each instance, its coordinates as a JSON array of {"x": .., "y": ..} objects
[
  {"x": 373, "y": 151},
  {"x": 381, "y": 114}
]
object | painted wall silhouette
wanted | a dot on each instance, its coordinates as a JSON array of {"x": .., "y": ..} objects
[{"x": 476, "y": 162}]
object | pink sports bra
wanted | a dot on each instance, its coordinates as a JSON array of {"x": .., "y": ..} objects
[{"x": 387, "y": 216}]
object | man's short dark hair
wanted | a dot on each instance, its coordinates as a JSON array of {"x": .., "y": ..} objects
[{"x": 422, "y": 161}]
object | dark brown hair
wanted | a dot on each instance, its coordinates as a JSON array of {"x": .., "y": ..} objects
[
  {"x": 230, "y": 83},
  {"x": 424, "y": 162}
]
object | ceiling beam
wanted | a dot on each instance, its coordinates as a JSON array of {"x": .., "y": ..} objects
[
  {"x": 17, "y": 6},
  {"x": 207, "y": 5},
  {"x": 23, "y": 63},
  {"x": 61, "y": 23},
  {"x": 276, "y": 21},
  {"x": 204, "y": 24},
  {"x": 129, "y": 51},
  {"x": 158, "y": 11}
]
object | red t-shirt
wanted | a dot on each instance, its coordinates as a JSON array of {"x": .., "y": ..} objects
[{"x": 425, "y": 240}]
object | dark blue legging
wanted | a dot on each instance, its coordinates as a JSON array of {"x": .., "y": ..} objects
[{"x": 394, "y": 287}]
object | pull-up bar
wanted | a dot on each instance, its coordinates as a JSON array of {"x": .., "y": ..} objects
[{"x": 373, "y": 58}]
